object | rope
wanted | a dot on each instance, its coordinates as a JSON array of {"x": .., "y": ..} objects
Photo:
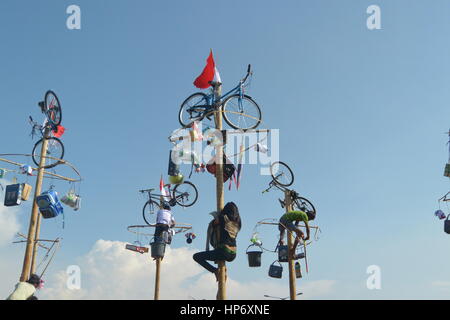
[{"x": 57, "y": 242}]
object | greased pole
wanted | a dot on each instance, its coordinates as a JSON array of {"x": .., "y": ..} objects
[
  {"x": 292, "y": 279},
  {"x": 221, "y": 292},
  {"x": 34, "y": 226}
]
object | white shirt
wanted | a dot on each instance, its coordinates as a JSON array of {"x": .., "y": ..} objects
[
  {"x": 164, "y": 217},
  {"x": 23, "y": 291}
]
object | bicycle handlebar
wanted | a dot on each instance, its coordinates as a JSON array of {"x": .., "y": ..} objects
[
  {"x": 146, "y": 190},
  {"x": 249, "y": 71}
]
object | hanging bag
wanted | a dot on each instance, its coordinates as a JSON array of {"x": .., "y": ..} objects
[
  {"x": 276, "y": 271},
  {"x": 49, "y": 204},
  {"x": 447, "y": 225},
  {"x": 228, "y": 167}
]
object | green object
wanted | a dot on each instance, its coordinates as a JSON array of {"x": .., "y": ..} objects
[
  {"x": 2, "y": 173},
  {"x": 296, "y": 216},
  {"x": 447, "y": 170},
  {"x": 176, "y": 179}
]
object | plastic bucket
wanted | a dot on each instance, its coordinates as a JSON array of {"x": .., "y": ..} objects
[
  {"x": 158, "y": 249},
  {"x": 254, "y": 257}
]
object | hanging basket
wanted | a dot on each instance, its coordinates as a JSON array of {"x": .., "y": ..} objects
[{"x": 254, "y": 257}]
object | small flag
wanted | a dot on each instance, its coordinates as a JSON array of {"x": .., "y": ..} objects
[
  {"x": 164, "y": 194},
  {"x": 208, "y": 74},
  {"x": 59, "y": 131}
]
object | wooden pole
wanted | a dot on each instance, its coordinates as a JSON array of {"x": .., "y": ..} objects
[
  {"x": 32, "y": 229},
  {"x": 291, "y": 266},
  {"x": 35, "y": 244},
  {"x": 221, "y": 292},
  {"x": 158, "y": 272}
]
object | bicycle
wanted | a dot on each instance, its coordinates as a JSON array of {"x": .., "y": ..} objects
[
  {"x": 282, "y": 177},
  {"x": 237, "y": 107},
  {"x": 55, "y": 148},
  {"x": 51, "y": 108},
  {"x": 184, "y": 194}
]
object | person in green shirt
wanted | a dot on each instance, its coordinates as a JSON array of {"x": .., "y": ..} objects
[{"x": 290, "y": 221}]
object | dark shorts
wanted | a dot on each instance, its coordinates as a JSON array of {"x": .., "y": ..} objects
[{"x": 285, "y": 224}]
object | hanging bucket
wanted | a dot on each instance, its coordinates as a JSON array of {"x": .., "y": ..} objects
[
  {"x": 447, "y": 225},
  {"x": 254, "y": 257},
  {"x": 283, "y": 253},
  {"x": 157, "y": 249},
  {"x": 447, "y": 170},
  {"x": 275, "y": 271}
]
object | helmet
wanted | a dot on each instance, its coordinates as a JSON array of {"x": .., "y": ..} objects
[{"x": 176, "y": 179}]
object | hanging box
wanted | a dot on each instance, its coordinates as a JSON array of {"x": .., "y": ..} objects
[
  {"x": 49, "y": 204},
  {"x": 13, "y": 195},
  {"x": 447, "y": 170},
  {"x": 26, "y": 191}
]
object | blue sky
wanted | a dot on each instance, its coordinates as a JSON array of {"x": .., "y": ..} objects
[{"x": 361, "y": 113}]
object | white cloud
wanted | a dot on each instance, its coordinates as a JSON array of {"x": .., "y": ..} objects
[
  {"x": 9, "y": 224},
  {"x": 111, "y": 272}
]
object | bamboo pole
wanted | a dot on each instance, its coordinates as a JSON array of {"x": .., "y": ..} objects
[
  {"x": 31, "y": 239},
  {"x": 157, "y": 277},
  {"x": 291, "y": 266},
  {"x": 221, "y": 292}
]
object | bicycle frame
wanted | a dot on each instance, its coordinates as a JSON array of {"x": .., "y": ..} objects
[{"x": 212, "y": 101}]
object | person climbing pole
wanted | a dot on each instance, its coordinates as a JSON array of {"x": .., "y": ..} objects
[
  {"x": 164, "y": 223},
  {"x": 26, "y": 290},
  {"x": 290, "y": 221},
  {"x": 221, "y": 235}
]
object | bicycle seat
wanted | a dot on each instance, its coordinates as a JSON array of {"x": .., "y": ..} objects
[
  {"x": 41, "y": 105},
  {"x": 146, "y": 190},
  {"x": 214, "y": 83}
]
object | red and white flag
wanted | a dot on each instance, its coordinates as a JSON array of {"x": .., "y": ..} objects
[
  {"x": 164, "y": 194},
  {"x": 209, "y": 73}
]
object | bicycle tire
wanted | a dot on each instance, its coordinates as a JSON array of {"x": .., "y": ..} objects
[
  {"x": 54, "y": 152},
  {"x": 198, "y": 98},
  {"x": 54, "y": 115},
  {"x": 149, "y": 209},
  {"x": 276, "y": 178},
  {"x": 180, "y": 199},
  {"x": 305, "y": 204},
  {"x": 242, "y": 117}
]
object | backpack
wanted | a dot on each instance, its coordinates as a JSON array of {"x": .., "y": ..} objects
[
  {"x": 49, "y": 204},
  {"x": 228, "y": 167}
]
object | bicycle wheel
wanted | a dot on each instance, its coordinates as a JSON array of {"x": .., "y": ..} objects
[
  {"x": 55, "y": 152},
  {"x": 150, "y": 208},
  {"x": 192, "y": 108},
  {"x": 185, "y": 194},
  {"x": 304, "y": 205},
  {"x": 281, "y": 174},
  {"x": 241, "y": 113},
  {"x": 52, "y": 108}
]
